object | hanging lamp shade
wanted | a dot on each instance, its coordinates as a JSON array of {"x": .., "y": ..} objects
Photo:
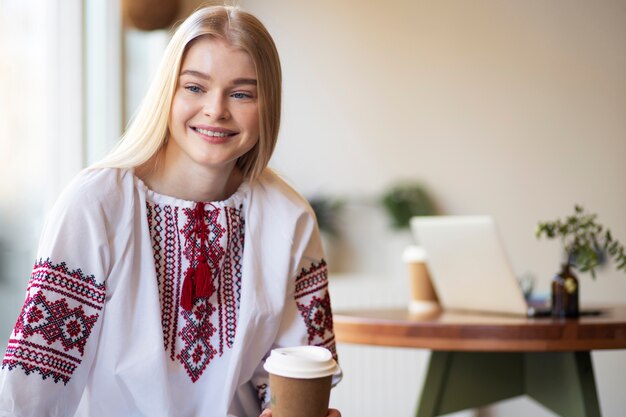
[{"x": 150, "y": 14}]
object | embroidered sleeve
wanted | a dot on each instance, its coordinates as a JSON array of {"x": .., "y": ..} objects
[
  {"x": 57, "y": 318},
  {"x": 313, "y": 301},
  {"x": 313, "y": 318},
  {"x": 307, "y": 316},
  {"x": 51, "y": 347}
]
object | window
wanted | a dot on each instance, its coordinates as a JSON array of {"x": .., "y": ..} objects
[{"x": 41, "y": 129}]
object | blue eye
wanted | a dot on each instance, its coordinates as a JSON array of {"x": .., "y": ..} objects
[
  {"x": 241, "y": 95},
  {"x": 193, "y": 88}
]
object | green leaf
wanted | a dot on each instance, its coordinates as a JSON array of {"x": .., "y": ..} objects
[{"x": 584, "y": 240}]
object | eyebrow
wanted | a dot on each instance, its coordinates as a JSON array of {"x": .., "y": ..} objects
[{"x": 236, "y": 81}]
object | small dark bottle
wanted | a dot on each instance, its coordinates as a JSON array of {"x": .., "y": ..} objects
[{"x": 565, "y": 293}]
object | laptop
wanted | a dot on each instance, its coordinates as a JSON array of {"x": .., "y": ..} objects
[{"x": 469, "y": 267}]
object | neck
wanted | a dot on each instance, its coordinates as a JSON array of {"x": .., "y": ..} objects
[{"x": 193, "y": 183}]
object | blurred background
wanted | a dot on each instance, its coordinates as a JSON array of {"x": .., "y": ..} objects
[{"x": 513, "y": 109}]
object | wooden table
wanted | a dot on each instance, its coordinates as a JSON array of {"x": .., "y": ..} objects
[{"x": 480, "y": 359}]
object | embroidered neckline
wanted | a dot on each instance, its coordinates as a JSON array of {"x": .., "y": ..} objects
[{"x": 197, "y": 336}]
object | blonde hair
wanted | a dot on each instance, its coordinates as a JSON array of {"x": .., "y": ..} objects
[{"x": 148, "y": 131}]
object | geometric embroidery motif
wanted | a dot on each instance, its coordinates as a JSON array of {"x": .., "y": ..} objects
[
  {"x": 313, "y": 301},
  {"x": 56, "y": 320},
  {"x": 196, "y": 335},
  {"x": 195, "y": 338}
]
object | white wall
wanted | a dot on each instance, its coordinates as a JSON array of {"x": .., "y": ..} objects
[{"x": 515, "y": 109}]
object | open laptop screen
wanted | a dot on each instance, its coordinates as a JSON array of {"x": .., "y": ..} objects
[{"x": 468, "y": 264}]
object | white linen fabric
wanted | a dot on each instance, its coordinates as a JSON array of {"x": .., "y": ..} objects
[{"x": 102, "y": 332}]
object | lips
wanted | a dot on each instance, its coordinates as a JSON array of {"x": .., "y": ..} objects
[{"x": 214, "y": 132}]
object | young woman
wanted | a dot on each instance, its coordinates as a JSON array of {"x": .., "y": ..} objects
[{"x": 167, "y": 272}]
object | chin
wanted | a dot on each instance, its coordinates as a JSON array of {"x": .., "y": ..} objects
[{"x": 212, "y": 163}]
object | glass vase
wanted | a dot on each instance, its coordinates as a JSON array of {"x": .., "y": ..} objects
[{"x": 565, "y": 293}]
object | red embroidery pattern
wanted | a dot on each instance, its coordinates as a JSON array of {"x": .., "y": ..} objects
[
  {"x": 59, "y": 313},
  {"x": 196, "y": 337},
  {"x": 229, "y": 281},
  {"x": 213, "y": 250},
  {"x": 313, "y": 302},
  {"x": 162, "y": 222}
]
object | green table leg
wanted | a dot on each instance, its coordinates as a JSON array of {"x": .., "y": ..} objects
[
  {"x": 461, "y": 380},
  {"x": 561, "y": 381}
]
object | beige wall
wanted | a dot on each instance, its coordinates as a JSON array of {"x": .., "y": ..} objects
[{"x": 515, "y": 109}]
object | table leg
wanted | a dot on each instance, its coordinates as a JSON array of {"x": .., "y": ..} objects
[
  {"x": 563, "y": 382},
  {"x": 461, "y": 380}
]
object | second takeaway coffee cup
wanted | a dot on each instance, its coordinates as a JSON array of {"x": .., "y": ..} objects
[
  {"x": 423, "y": 296},
  {"x": 300, "y": 381}
]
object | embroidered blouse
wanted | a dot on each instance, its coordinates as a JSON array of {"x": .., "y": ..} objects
[{"x": 105, "y": 328}]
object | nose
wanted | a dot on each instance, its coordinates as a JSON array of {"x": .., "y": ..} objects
[{"x": 215, "y": 106}]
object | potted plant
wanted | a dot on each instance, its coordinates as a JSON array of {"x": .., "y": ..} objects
[
  {"x": 586, "y": 244},
  {"x": 405, "y": 200}
]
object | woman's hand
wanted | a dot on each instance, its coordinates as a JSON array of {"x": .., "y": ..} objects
[{"x": 331, "y": 413}]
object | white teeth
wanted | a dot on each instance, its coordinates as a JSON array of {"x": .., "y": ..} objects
[{"x": 212, "y": 133}]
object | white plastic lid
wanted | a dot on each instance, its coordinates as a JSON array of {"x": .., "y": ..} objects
[
  {"x": 306, "y": 362},
  {"x": 414, "y": 254}
]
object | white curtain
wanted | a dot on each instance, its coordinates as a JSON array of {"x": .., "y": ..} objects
[{"x": 41, "y": 130}]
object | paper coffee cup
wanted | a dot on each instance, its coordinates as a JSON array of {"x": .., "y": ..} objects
[
  {"x": 423, "y": 296},
  {"x": 300, "y": 381}
]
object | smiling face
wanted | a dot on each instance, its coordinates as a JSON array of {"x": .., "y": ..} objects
[{"x": 214, "y": 117}]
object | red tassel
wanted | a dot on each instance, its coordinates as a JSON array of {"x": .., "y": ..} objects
[
  {"x": 186, "y": 298},
  {"x": 199, "y": 212},
  {"x": 202, "y": 276},
  {"x": 204, "y": 279}
]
